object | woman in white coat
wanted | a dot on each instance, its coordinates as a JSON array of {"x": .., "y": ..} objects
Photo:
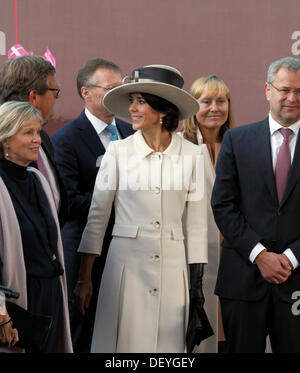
[
  {"x": 151, "y": 177},
  {"x": 206, "y": 128}
]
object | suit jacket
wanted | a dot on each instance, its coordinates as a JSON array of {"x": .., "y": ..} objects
[
  {"x": 49, "y": 151},
  {"x": 246, "y": 210},
  {"x": 77, "y": 149}
]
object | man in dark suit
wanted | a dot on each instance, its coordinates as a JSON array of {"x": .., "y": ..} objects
[
  {"x": 78, "y": 149},
  {"x": 256, "y": 204},
  {"x": 32, "y": 78}
]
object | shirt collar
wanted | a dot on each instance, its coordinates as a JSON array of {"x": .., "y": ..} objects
[
  {"x": 275, "y": 126},
  {"x": 144, "y": 149},
  {"x": 97, "y": 123}
]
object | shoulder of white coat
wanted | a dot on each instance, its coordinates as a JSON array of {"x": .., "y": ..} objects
[{"x": 114, "y": 146}]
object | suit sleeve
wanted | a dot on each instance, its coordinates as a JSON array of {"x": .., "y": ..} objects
[
  {"x": 103, "y": 197},
  {"x": 225, "y": 202},
  {"x": 67, "y": 163}
]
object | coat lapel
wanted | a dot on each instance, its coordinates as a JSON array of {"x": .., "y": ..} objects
[
  {"x": 264, "y": 156},
  {"x": 90, "y": 137},
  {"x": 294, "y": 173}
]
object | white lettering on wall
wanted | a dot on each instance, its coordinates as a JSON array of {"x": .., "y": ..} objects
[
  {"x": 2, "y": 44},
  {"x": 296, "y": 305},
  {"x": 296, "y": 45}
]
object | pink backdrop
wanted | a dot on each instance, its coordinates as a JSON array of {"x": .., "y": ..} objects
[{"x": 234, "y": 39}]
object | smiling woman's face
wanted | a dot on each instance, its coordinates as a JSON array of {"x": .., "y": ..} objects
[
  {"x": 213, "y": 111},
  {"x": 143, "y": 116},
  {"x": 23, "y": 147}
]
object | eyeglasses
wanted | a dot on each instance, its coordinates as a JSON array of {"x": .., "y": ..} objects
[
  {"x": 100, "y": 86},
  {"x": 56, "y": 90},
  {"x": 286, "y": 91}
]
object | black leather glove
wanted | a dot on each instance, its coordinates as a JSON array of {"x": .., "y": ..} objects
[
  {"x": 199, "y": 327},
  {"x": 196, "y": 292}
]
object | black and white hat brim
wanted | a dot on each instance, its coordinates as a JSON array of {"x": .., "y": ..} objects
[{"x": 117, "y": 99}]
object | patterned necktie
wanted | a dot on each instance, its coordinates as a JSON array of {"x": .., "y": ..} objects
[
  {"x": 113, "y": 132},
  {"x": 283, "y": 163}
]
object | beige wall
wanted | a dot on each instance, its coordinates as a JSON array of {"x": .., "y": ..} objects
[{"x": 235, "y": 39}]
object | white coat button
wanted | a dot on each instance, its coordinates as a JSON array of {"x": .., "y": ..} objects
[
  {"x": 153, "y": 292},
  {"x": 157, "y": 190},
  {"x": 155, "y": 258},
  {"x": 156, "y": 224}
]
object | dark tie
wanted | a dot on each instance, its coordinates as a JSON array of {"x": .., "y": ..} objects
[
  {"x": 283, "y": 163},
  {"x": 113, "y": 132}
]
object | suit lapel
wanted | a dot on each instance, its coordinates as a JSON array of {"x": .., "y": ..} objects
[
  {"x": 47, "y": 147},
  {"x": 90, "y": 137},
  {"x": 264, "y": 154},
  {"x": 294, "y": 173}
]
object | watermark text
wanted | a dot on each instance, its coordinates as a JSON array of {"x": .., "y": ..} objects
[
  {"x": 2, "y": 44},
  {"x": 296, "y": 44}
]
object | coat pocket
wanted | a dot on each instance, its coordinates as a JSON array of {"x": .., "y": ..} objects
[
  {"x": 177, "y": 234},
  {"x": 125, "y": 230}
]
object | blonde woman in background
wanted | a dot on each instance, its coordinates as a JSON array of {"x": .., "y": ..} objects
[{"x": 208, "y": 127}]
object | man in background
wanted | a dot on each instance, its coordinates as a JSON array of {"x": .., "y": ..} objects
[{"x": 32, "y": 78}]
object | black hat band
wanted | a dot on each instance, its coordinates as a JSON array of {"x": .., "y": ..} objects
[{"x": 157, "y": 74}]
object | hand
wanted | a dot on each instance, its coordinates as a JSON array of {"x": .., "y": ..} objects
[
  {"x": 196, "y": 291},
  {"x": 8, "y": 335},
  {"x": 82, "y": 295},
  {"x": 197, "y": 297},
  {"x": 274, "y": 268},
  {"x": 286, "y": 263}
]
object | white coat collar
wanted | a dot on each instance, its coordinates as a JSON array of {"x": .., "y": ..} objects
[{"x": 144, "y": 149}]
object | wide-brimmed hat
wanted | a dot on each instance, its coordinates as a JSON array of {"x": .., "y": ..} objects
[{"x": 160, "y": 80}]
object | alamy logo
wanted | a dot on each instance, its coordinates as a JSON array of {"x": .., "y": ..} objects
[
  {"x": 296, "y": 305},
  {"x": 135, "y": 172},
  {"x": 2, "y": 44},
  {"x": 296, "y": 45}
]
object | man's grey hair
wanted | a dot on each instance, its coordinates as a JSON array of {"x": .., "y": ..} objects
[
  {"x": 289, "y": 63},
  {"x": 85, "y": 75}
]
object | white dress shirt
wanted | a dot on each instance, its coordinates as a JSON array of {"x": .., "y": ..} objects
[
  {"x": 276, "y": 141},
  {"x": 100, "y": 126}
]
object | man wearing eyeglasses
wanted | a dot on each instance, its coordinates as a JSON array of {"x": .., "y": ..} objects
[
  {"x": 32, "y": 78},
  {"x": 79, "y": 146},
  {"x": 256, "y": 204}
]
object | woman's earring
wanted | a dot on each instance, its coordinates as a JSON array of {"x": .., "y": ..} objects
[
  {"x": 6, "y": 154},
  {"x": 161, "y": 121}
]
